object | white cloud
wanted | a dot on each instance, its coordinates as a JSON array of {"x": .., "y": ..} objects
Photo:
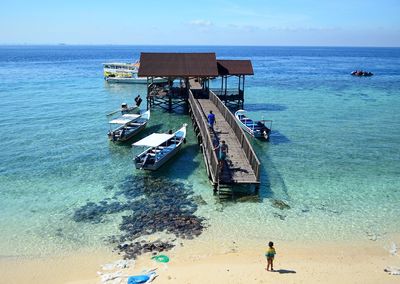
[{"x": 201, "y": 23}]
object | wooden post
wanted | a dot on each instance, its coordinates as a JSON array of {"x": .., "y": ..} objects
[
  {"x": 222, "y": 84},
  {"x": 226, "y": 86},
  {"x": 244, "y": 76},
  {"x": 240, "y": 76},
  {"x": 148, "y": 94}
]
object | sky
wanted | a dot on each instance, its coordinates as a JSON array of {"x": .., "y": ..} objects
[{"x": 202, "y": 22}]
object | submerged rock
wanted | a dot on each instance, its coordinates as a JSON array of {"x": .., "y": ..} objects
[
  {"x": 155, "y": 205},
  {"x": 199, "y": 200},
  {"x": 280, "y": 216},
  {"x": 280, "y": 204},
  {"x": 249, "y": 198}
]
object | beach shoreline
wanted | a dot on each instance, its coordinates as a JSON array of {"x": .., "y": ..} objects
[{"x": 195, "y": 262}]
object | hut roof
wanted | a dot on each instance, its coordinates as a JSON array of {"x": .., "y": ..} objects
[
  {"x": 178, "y": 65},
  {"x": 234, "y": 67}
]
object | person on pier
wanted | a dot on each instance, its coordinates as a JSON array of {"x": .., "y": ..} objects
[
  {"x": 222, "y": 152},
  {"x": 211, "y": 120},
  {"x": 138, "y": 100}
]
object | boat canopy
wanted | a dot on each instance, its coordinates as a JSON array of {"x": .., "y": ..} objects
[
  {"x": 124, "y": 119},
  {"x": 153, "y": 140}
]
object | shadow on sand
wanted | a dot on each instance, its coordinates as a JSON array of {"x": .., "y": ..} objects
[{"x": 284, "y": 271}]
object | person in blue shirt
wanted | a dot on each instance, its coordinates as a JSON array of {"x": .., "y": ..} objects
[{"x": 211, "y": 119}]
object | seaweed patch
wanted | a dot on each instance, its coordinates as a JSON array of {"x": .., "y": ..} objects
[{"x": 152, "y": 205}]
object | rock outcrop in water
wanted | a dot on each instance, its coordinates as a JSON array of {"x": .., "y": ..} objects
[
  {"x": 280, "y": 204},
  {"x": 154, "y": 205}
]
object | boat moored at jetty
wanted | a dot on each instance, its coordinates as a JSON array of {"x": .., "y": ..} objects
[
  {"x": 256, "y": 128},
  {"x": 125, "y": 109},
  {"x": 161, "y": 147},
  {"x": 119, "y": 72},
  {"x": 127, "y": 126}
]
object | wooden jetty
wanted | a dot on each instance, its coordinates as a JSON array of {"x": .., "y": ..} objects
[
  {"x": 242, "y": 165},
  {"x": 194, "y": 71}
]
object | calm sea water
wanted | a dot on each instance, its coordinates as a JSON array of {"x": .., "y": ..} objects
[{"x": 333, "y": 157}]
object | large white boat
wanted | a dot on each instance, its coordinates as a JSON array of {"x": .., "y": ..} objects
[
  {"x": 126, "y": 73},
  {"x": 160, "y": 148}
]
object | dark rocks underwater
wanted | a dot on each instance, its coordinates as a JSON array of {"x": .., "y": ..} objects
[{"x": 153, "y": 205}]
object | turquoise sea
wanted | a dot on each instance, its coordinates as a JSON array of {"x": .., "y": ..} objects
[{"x": 330, "y": 172}]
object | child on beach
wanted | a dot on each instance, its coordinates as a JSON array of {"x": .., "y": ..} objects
[{"x": 270, "y": 254}]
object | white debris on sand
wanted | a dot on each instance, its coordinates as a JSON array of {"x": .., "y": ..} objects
[
  {"x": 393, "y": 249},
  {"x": 119, "y": 264},
  {"x": 116, "y": 276},
  {"x": 110, "y": 278},
  {"x": 392, "y": 270}
]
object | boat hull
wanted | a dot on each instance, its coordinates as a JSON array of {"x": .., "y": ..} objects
[
  {"x": 129, "y": 129},
  {"x": 156, "y": 156},
  {"x": 156, "y": 166},
  {"x": 133, "y": 80},
  {"x": 257, "y": 130},
  {"x": 131, "y": 134}
]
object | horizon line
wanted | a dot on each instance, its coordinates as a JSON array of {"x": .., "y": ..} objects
[{"x": 190, "y": 45}]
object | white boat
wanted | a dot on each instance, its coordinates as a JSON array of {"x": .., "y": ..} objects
[
  {"x": 256, "y": 128},
  {"x": 160, "y": 148},
  {"x": 126, "y": 73},
  {"x": 125, "y": 109},
  {"x": 126, "y": 126}
]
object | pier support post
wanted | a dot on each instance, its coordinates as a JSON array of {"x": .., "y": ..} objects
[{"x": 215, "y": 190}]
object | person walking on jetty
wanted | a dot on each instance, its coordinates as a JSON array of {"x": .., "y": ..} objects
[
  {"x": 270, "y": 254},
  {"x": 211, "y": 119},
  {"x": 221, "y": 154}
]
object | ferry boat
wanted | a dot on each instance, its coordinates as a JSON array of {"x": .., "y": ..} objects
[
  {"x": 126, "y": 73},
  {"x": 161, "y": 147}
]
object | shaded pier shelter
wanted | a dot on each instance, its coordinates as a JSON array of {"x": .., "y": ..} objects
[
  {"x": 233, "y": 68},
  {"x": 185, "y": 67},
  {"x": 194, "y": 71}
]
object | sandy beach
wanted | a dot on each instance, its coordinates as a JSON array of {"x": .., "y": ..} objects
[{"x": 194, "y": 262}]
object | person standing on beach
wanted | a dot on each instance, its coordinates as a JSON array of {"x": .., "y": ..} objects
[
  {"x": 270, "y": 254},
  {"x": 211, "y": 119}
]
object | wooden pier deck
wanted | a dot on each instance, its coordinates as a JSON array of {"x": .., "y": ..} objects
[{"x": 242, "y": 165}]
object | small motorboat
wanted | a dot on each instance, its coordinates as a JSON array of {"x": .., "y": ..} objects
[
  {"x": 160, "y": 148},
  {"x": 125, "y": 109},
  {"x": 257, "y": 129},
  {"x": 360, "y": 73},
  {"x": 126, "y": 126}
]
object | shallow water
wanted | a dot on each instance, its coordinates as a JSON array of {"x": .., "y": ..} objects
[{"x": 333, "y": 155}]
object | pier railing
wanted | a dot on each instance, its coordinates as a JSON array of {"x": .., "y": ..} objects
[
  {"x": 228, "y": 94},
  {"x": 244, "y": 142},
  {"x": 208, "y": 146}
]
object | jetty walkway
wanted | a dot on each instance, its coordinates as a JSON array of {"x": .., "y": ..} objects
[
  {"x": 194, "y": 72},
  {"x": 242, "y": 165}
]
